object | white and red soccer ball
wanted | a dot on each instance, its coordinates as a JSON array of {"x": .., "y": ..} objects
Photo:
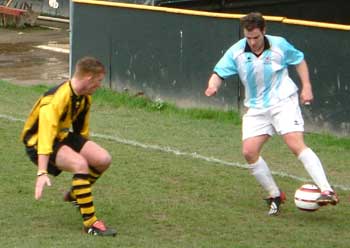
[{"x": 305, "y": 197}]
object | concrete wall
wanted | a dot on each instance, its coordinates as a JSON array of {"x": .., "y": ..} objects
[{"x": 170, "y": 53}]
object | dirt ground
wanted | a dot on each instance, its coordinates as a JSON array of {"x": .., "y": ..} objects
[{"x": 23, "y": 62}]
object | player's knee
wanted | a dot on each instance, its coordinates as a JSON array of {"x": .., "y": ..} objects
[
  {"x": 245, "y": 152},
  {"x": 249, "y": 154},
  {"x": 106, "y": 160},
  {"x": 81, "y": 166}
]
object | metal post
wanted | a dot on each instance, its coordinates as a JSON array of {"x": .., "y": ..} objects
[{"x": 71, "y": 6}]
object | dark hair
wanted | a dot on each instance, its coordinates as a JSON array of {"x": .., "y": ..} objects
[
  {"x": 253, "y": 20},
  {"x": 87, "y": 65}
]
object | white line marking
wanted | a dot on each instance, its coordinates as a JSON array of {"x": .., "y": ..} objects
[
  {"x": 54, "y": 49},
  {"x": 49, "y": 18},
  {"x": 195, "y": 155},
  {"x": 52, "y": 28},
  {"x": 10, "y": 118}
]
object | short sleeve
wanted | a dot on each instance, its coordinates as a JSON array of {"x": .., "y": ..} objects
[
  {"x": 226, "y": 66},
  {"x": 293, "y": 56}
]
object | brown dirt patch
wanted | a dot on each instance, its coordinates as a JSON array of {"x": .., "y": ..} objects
[{"x": 22, "y": 62}]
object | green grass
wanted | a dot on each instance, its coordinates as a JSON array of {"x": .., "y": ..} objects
[
  {"x": 158, "y": 199},
  {"x": 106, "y": 97}
]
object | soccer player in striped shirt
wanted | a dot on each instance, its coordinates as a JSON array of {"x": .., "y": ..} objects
[
  {"x": 271, "y": 97},
  {"x": 56, "y": 138}
]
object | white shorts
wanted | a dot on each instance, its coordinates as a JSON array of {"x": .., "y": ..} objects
[{"x": 282, "y": 118}]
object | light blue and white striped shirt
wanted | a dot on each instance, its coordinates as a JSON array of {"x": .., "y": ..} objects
[{"x": 265, "y": 78}]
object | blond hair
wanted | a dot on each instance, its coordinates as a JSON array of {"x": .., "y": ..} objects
[{"x": 88, "y": 65}]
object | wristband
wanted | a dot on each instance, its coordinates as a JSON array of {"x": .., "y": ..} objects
[{"x": 41, "y": 172}]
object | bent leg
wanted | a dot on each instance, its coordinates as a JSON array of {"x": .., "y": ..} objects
[
  {"x": 295, "y": 142},
  {"x": 69, "y": 160},
  {"x": 311, "y": 162},
  {"x": 251, "y": 150},
  {"x": 81, "y": 189},
  {"x": 96, "y": 156},
  {"x": 98, "y": 159},
  {"x": 251, "y": 147}
]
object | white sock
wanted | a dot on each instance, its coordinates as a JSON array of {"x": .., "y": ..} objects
[
  {"x": 263, "y": 175},
  {"x": 314, "y": 167}
]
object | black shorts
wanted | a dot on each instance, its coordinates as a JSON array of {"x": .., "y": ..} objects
[{"x": 73, "y": 140}]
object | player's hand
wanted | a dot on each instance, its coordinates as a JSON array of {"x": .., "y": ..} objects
[
  {"x": 41, "y": 182},
  {"x": 306, "y": 97},
  {"x": 306, "y": 101},
  {"x": 211, "y": 91}
]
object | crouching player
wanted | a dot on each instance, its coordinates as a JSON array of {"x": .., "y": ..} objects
[{"x": 55, "y": 136}]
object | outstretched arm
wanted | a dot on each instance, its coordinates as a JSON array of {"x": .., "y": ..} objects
[
  {"x": 214, "y": 84},
  {"x": 42, "y": 178},
  {"x": 306, "y": 95}
]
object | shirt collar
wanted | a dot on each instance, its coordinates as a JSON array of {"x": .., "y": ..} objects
[{"x": 71, "y": 87}]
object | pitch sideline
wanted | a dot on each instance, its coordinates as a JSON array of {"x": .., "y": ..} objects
[{"x": 194, "y": 155}]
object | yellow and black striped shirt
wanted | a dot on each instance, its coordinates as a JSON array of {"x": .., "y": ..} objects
[{"x": 56, "y": 112}]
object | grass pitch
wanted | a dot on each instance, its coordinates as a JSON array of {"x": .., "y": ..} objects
[{"x": 159, "y": 192}]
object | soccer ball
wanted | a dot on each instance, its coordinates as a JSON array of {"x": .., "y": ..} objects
[{"x": 305, "y": 197}]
